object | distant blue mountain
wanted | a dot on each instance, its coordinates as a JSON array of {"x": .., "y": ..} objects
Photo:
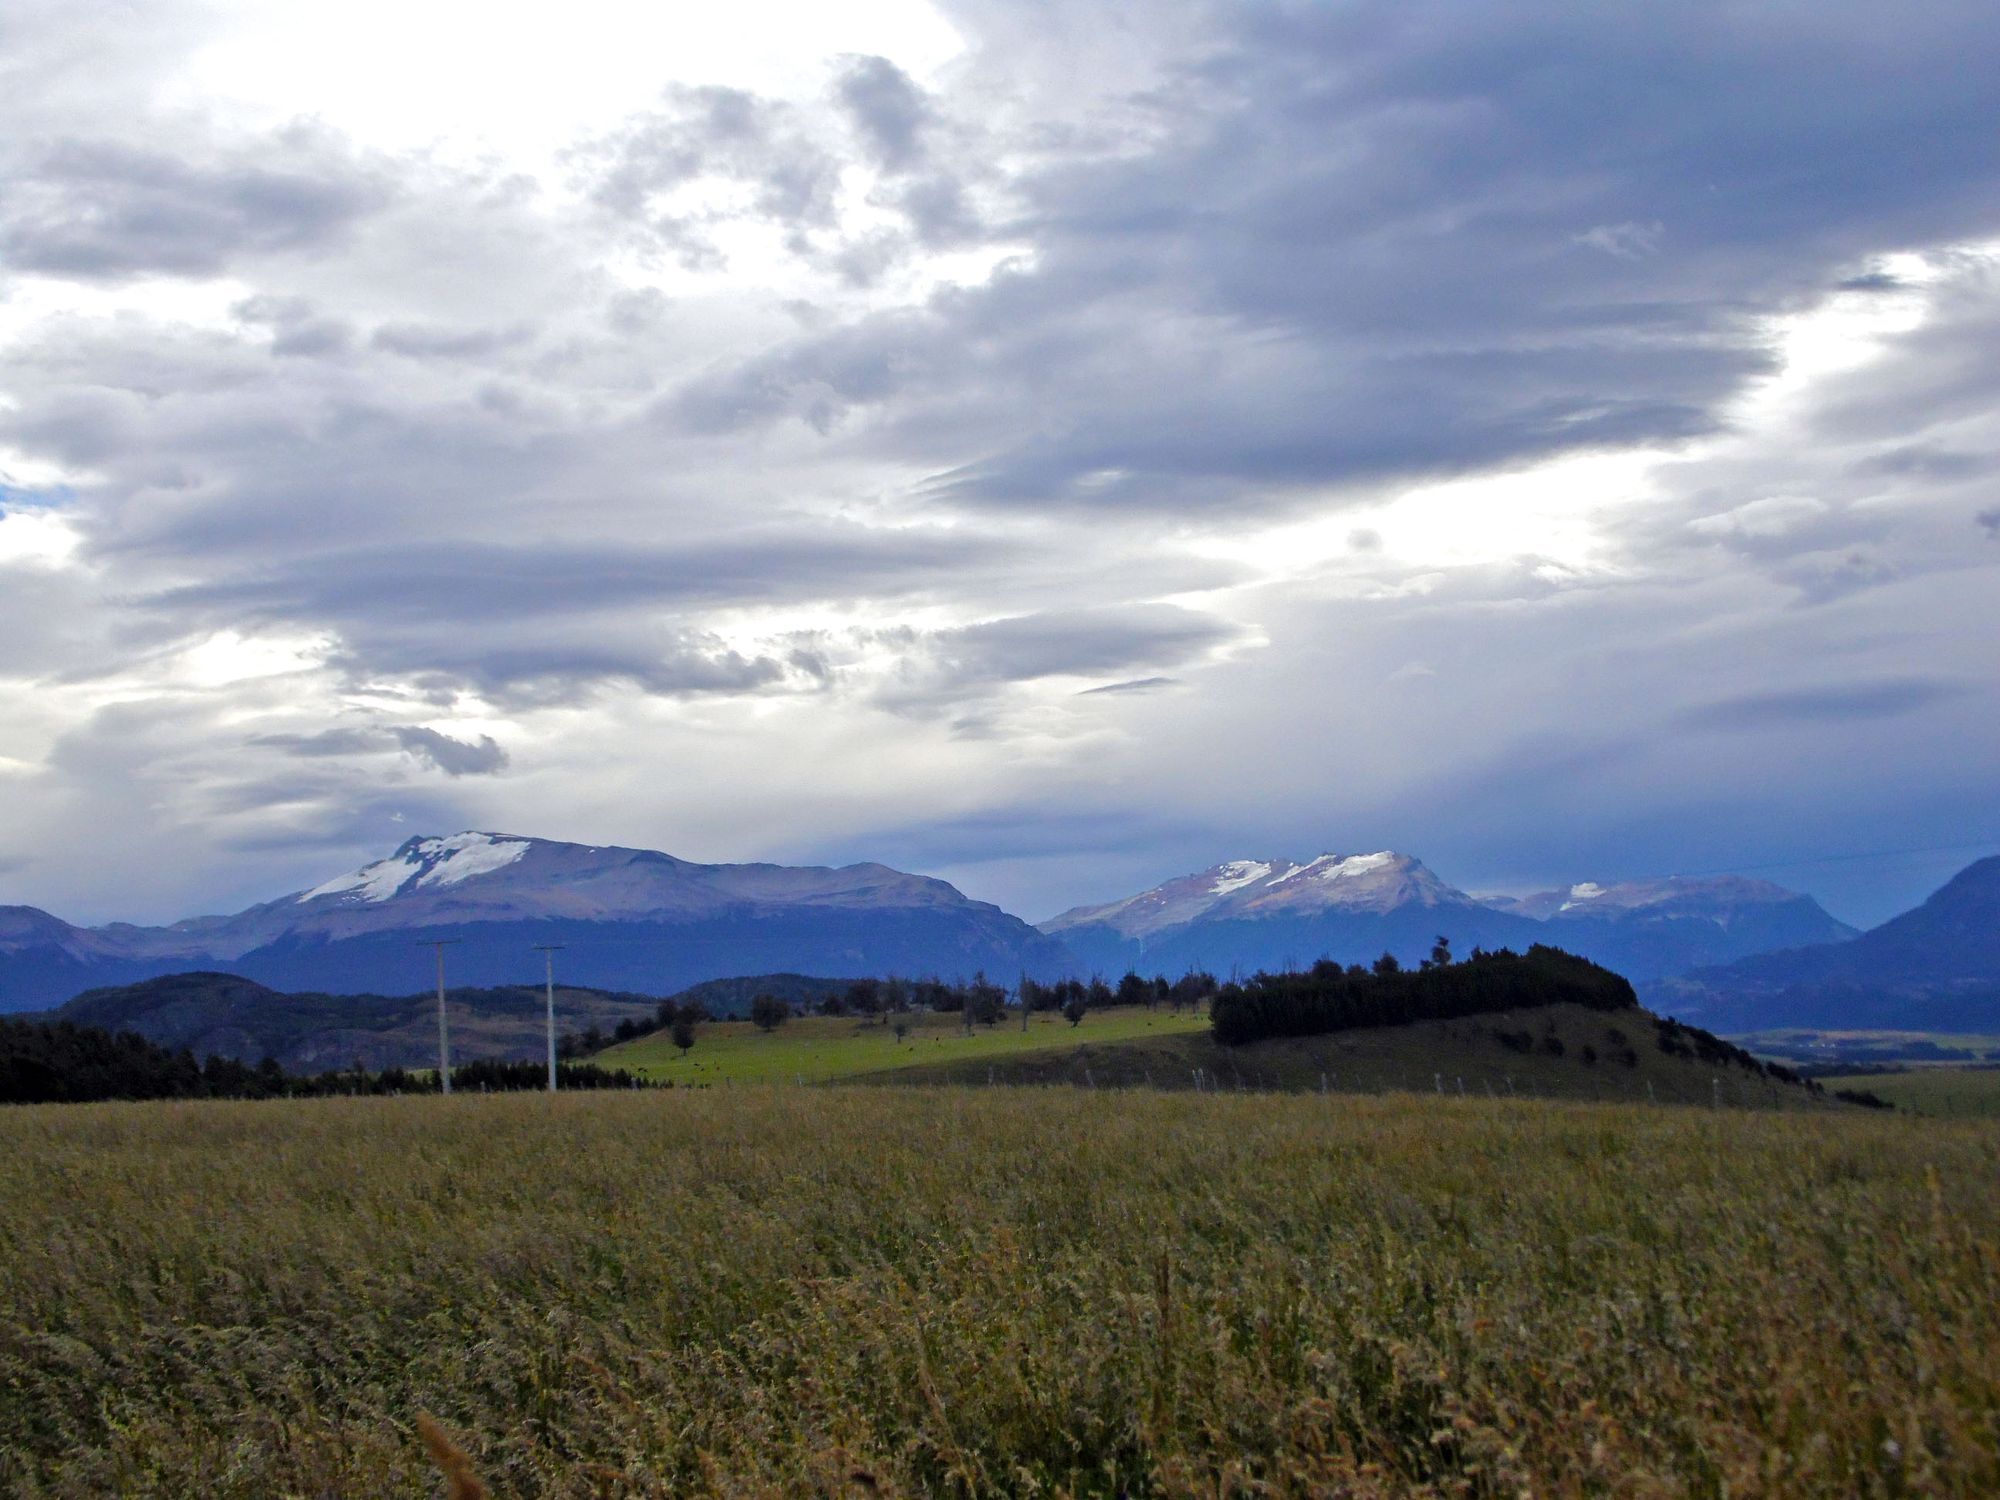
[{"x": 1935, "y": 968}]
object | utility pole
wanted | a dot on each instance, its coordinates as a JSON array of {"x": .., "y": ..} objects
[
  {"x": 549, "y": 952},
  {"x": 444, "y": 1036}
]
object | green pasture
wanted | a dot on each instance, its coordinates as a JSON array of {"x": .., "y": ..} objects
[
  {"x": 1958, "y": 1093},
  {"x": 816, "y": 1049}
]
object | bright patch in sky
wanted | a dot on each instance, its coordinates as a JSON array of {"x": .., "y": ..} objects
[
  {"x": 35, "y": 538},
  {"x": 523, "y": 80}
]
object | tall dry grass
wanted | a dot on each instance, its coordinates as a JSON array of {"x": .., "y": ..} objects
[{"x": 996, "y": 1293}]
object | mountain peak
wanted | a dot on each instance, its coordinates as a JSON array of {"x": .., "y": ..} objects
[
  {"x": 426, "y": 861},
  {"x": 1256, "y": 888}
]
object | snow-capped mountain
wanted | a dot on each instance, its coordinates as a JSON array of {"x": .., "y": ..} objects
[
  {"x": 1240, "y": 887},
  {"x": 1247, "y": 914},
  {"x": 632, "y": 919},
  {"x": 1649, "y": 928},
  {"x": 1261, "y": 913}
]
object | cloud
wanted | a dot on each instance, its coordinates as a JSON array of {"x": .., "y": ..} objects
[
  {"x": 1627, "y": 241},
  {"x": 108, "y": 210},
  {"x": 1077, "y": 642},
  {"x": 725, "y": 134},
  {"x": 1866, "y": 700},
  {"x": 888, "y": 110},
  {"x": 423, "y": 341},
  {"x": 455, "y": 757},
  {"x": 481, "y": 757}
]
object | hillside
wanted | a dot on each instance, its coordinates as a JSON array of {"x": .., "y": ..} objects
[
  {"x": 831, "y": 1049},
  {"x": 227, "y": 1016},
  {"x": 632, "y": 919},
  {"x": 1543, "y": 1024},
  {"x": 1934, "y": 968},
  {"x": 1509, "y": 1054}
]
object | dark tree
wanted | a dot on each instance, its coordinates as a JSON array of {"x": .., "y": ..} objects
[
  {"x": 985, "y": 1002},
  {"x": 684, "y": 1032},
  {"x": 769, "y": 1012}
]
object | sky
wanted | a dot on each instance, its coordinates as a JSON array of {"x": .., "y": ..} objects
[{"x": 1054, "y": 448}]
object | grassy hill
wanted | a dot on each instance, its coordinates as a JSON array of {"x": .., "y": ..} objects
[
  {"x": 852, "y": 1292},
  {"x": 822, "y": 1049},
  {"x": 1609, "y": 1056},
  {"x": 1541, "y": 1052}
]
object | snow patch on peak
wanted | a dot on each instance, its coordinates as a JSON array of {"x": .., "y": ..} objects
[
  {"x": 1298, "y": 870},
  {"x": 1237, "y": 874},
  {"x": 438, "y": 861},
  {"x": 1357, "y": 864},
  {"x": 376, "y": 882},
  {"x": 1329, "y": 867},
  {"x": 464, "y": 855}
]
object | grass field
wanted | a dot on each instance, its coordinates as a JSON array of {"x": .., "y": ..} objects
[
  {"x": 1947, "y": 1093},
  {"x": 996, "y": 1292},
  {"x": 816, "y": 1049}
]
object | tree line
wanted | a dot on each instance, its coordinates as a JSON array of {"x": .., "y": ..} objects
[
  {"x": 1328, "y": 997},
  {"x": 979, "y": 1000},
  {"x": 60, "y": 1062}
]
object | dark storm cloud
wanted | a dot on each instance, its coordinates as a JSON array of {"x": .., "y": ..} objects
[
  {"x": 106, "y": 210},
  {"x": 1832, "y": 704},
  {"x": 569, "y": 670},
  {"x": 1365, "y": 242},
  {"x": 454, "y": 757},
  {"x": 349, "y": 740}
]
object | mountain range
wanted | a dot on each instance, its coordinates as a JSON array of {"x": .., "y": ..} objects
[
  {"x": 1934, "y": 968},
  {"x": 630, "y": 919},
  {"x": 1732, "y": 953},
  {"x": 1252, "y": 914}
]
